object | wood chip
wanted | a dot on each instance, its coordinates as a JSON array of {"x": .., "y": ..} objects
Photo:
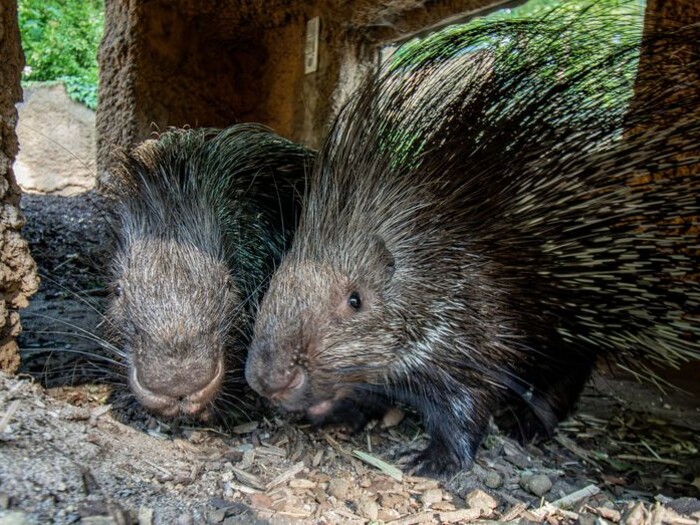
[
  {"x": 368, "y": 508},
  {"x": 455, "y": 516},
  {"x": 481, "y": 501},
  {"x": 271, "y": 451},
  {"x": 385, "y": 467},
  {"x": 443, "y": 506},
  {"x": 336, "y": 446},
  {"x": 423, "y": 484},
  {"x": 316, "y": 461},
  {"x": 7, "y": 416},
  {"x": 302, "y": 484},
  {"x": 294, "y": 513},
  {"x": 635, "y": 514},
  {"x": 98, "y": 412},
  {"x": 248, "y": 479},
  {"x": 285, "y": 476},
  {"x": 261, "y": 501},
  {"x": 420, "y": 517},
  {"x": 245, "y": 489},
  {"x": 608, "y": 514},
  {"x": 431, "y": 496},
  {"x": 459, "y": 516},
  {"x": 514, "y": 512}
]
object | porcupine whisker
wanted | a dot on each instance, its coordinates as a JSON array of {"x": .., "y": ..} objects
[
  {"x": 78, "y": 295},
  {"x": 93, "y": 360},
  {"x": 79, "y": 332}
]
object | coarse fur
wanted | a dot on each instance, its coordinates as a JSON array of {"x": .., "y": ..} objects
[
  {"x": 203, "y": 217},
  {"x": 472, "y": 240}
]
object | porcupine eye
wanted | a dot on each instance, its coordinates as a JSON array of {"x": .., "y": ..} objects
[
  {"x": 354, "y": 301},
  {"x": 117, "y": 290}
]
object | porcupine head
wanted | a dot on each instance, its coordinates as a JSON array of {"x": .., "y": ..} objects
[{"x": 206, "y": 214}]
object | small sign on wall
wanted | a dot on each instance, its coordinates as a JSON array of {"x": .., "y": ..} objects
[{"x": 311, "y": 48}]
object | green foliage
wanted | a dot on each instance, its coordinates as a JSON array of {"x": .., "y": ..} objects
[
  {"x": 606, "y": 16},
  {"x": 584, "y": 33},
  {"x": 60, "y": 40}
]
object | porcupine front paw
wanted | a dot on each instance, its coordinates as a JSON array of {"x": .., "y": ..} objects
[{"x": 435, "y": 462}]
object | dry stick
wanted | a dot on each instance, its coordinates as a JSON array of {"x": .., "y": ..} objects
[
  {"x": 632, "y": 457},
  {"x": 570, "y": 500},
  {"x": 575, "y": 497}
]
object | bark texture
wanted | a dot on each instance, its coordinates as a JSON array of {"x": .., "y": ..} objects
[{"x": 18, "y": 276}]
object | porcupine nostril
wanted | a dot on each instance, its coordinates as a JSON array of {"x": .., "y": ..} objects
[{"x": 291, "y": 382}]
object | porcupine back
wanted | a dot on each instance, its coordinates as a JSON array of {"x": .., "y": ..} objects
[
  {"x": 492, "y": 175},
  {"x": 203, "y": 217}
]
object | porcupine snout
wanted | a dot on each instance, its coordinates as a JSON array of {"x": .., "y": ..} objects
[
  {"x": 284, "y": 384},
  {"x": 177, "y": 387}
]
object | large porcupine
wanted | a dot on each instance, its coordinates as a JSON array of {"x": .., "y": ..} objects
[
  {"x": 473, "y": 240},
  {"x": 203, "y": 217}
]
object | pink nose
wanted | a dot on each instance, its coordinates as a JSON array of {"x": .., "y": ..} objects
[{"x": 292, "y": 381}]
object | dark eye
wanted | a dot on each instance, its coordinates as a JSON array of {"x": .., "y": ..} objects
[
  {"x": 354, "y": 301},
  {"x": 118, "y": 290}
]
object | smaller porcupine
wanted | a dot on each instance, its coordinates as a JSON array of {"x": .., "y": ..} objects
[
  {"x": 471, "y": 242},
  {"x": 203, "y": 216}
]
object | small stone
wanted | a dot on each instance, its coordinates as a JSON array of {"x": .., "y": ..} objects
[
  {"x": 537, "y": 484},
  {"x": 216, "y": 516},
  {"x": 431, "y": 496},
  {"x": 368, "y": 508},
  {"x": 392, "y": 417},
  {"x": 246, "y": 428},
  {"x": 493, "y": 479},
  {"x": 480, "y": 500},
  {"x": 339, "y": 488}
]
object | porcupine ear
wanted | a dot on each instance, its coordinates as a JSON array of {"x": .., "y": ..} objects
[{"x": 383, "y": 256}]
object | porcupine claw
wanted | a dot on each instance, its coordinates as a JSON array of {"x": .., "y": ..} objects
[{"x": 436, "y": 461}]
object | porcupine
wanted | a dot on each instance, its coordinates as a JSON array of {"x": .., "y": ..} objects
[
  {"x": 472, "y": 241},
  {"x": 203, "y": 217}
]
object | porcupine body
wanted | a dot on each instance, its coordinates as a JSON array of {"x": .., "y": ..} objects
[
  {"x": 203, "y": 216},
  {"x": 472, "y": 240}
]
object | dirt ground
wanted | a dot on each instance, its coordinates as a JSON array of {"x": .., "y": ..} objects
[{"x": 88, "y": 454}]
